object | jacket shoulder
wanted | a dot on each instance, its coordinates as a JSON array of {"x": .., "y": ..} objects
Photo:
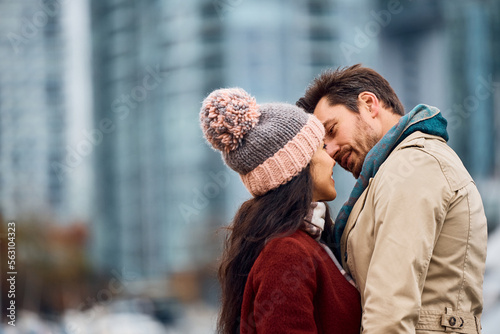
[
  {"x": 419, "y": 147},
  {"x": 284, "y": 257},
  {"x": 298, "y": 249},
  {"x": 296, "y": 244}
]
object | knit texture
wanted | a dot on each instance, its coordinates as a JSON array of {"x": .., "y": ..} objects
[
  {"x": 424, "y": 118},
  {"x": 266, "y": 144},
  {"x": 226, "y": 116},
  {"x": 287, "y": 161}
]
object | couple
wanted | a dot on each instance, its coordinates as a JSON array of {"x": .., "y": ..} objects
[{"x": 406, "y": 253}]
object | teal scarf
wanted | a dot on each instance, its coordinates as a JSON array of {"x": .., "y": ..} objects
[{"x": 422, "y": 118}]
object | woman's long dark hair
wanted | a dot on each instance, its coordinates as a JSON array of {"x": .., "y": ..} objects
[{"x": 277, "y": 213}]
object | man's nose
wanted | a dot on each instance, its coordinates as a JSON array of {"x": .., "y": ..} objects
[{"x": 332, "y": 148}]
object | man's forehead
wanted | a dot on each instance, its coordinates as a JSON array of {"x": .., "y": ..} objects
[
  {"x": 326, "y": 111},
  {"x": 328, "y": 114}
]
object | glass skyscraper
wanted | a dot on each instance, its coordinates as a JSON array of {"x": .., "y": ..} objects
[
  {"x": 150, "y": 75},
  {"x": 36, "y": 180}
]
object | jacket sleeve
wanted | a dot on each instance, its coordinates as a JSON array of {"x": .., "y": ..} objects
[
  {"x": 411, "y": 196},
  {"x": 284, "y": 286}
]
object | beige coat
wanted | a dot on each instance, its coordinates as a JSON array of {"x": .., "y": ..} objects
[{"x": 416, "y": 243}]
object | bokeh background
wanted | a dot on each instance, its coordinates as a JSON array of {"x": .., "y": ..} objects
[{"x": 118, "y": 202}]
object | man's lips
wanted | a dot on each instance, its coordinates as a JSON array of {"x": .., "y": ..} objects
[{"x": 345, "y": 160}]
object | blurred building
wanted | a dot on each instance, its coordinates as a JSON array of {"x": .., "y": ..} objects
[
  {"x": 158, "y": 196},
  {"x": 32, "y": 111},
  {"x": 35, "y": 114}
]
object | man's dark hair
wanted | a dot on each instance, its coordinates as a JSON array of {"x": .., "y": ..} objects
[{"x": 343, "y": 86}]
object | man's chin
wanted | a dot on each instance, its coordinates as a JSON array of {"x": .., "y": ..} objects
[{"x": 355, "y": 173}]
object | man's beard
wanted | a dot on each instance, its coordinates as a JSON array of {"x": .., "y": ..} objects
[{"x": 365, "y": 138}]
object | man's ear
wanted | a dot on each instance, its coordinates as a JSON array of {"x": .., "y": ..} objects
[{"x": 370, "y": 101}]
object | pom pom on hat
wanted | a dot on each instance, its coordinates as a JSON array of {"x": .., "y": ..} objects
[
  {"x": 226, "y": 116},
  {"x": 268, "y": 144}
]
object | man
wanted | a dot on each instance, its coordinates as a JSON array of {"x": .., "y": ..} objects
[{"x": 413, "y": 233}]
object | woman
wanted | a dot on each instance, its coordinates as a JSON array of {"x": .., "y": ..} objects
[{"x": 276, "y": 275}]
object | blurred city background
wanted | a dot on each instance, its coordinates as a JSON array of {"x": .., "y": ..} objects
[{"x": 118, "y": 201}]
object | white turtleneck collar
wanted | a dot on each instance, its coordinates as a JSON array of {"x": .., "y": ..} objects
[
  {"x": 318, "y": 216},
  {"x": 315, "y": 220}
]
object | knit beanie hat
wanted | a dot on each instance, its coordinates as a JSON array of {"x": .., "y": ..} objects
[{"x": 266, "y": 144}]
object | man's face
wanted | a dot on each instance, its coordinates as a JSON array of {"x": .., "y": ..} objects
[{"x": 348, "y": 136}]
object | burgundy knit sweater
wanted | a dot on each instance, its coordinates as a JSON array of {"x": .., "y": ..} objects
[{"x": 294, "y": 287}]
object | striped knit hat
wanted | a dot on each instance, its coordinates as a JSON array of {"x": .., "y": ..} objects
[{"x": 266, "y": 144}]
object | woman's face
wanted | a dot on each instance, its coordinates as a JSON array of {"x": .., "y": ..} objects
[{"x": 321, "y": 172}]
